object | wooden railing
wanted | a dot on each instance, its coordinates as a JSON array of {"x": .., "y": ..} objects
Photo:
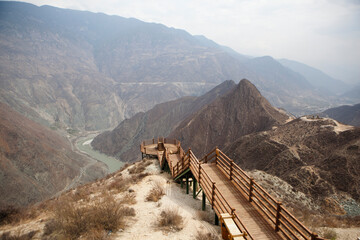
[{"x": 272, "y": 210}]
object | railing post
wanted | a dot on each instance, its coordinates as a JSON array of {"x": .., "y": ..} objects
[
  {"x": 199, "y": 172},
  {"x": 206, "y": 159},
  {"x": 277, "y": 221},
  {"x": 217, "y": 154},
  {"x": 251, "y": 189},
  {"x": 216, "y": 220},
  {"x": 213, "y": 194},
  {"x": 203, "y": 205},
  {"x": 194, "y": 187},
  {"x": 233, "y": 213},
  {"x": 153, "y": 140},
  {"x": 231, "y": 168}
]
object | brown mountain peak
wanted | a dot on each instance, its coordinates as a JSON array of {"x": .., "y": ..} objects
[{"x": 241, "y": 111}]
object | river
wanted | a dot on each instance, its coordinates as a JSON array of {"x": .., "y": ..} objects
[{"x": 84, "y": 145}]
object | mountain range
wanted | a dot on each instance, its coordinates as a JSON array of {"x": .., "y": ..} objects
[{"x": 82, "y": 70}]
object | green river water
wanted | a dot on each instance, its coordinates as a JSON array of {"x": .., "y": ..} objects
[{"x": 83, "y": 144}]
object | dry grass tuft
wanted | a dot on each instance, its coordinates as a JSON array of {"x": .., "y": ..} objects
[
  {"x": 206, "y": 236},
  {"x": 139, "y": 167},
  {"x": 120, "y": 185},
  {"x": 329, "y": 234},
  {"x": 205, "y": 216},
  {"x": 138, "y": 177},
  {"x": 170, "y": 220},
  {"x": 129, "y": 198},
  {"x": 26, "y": 236},
  {"x": 128, "y": 211},
  {"x": 155, "y": 193},
  {"x": 73, "y": 220},
  {"x": 12, "y": 215}
]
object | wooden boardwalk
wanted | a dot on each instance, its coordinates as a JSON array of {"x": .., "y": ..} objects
[
  {"x": 230, "y": 191},
  {"x": 254, "y": 222}
]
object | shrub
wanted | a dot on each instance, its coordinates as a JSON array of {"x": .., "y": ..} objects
[
  {"x": 155, "y": 193},
  {"x": 129, "y": 198},
  {"x": 170, "y": 219},
  {"x": 8, "y": 214},
  {"x": 72, "y": 220},
  {"x": 120, "y": 185},
  {"x": 330, "y": 234},
  {"x": 26, "y": 236},
  {"x": 206, "y": 236},
  {"x": 127, "y": 211},
  {"x": 205, "y": 216}
]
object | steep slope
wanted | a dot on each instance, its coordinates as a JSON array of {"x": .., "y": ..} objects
[
  {"x": 346, "y": 114},
  {"x": 125, "y": 139},
  {"x": 241, "y": 111},
  {"x": 317, "y": 156},
  {"x": 35, "y": 163},
  {"x": 317, "y": 78}
]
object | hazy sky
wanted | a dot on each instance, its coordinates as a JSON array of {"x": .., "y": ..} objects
[{"x": 321, "y": 33}]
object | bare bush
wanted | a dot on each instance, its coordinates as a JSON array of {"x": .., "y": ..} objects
[
  {"x": 205, "y": 216},
  {"x": 155, "y": 193},
  {"x": 170, "y": 219},
  {"x": 329, "y": 234},
  {"x": 19, "y": 236},
  {"x": 206, "y": 236},
  {"x": 127, "y": 211},
  {"x": 73, "y": 220},
  {"x": 129, "y": 198}
]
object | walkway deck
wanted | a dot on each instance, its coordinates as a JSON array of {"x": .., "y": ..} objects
[
  {"x": 230, "y": 191},
  {"x": 254, "y": 222}
]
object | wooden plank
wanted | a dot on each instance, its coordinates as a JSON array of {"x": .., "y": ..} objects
[{"x": 254, "y": 222}]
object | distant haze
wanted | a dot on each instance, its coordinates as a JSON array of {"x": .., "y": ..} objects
[{"x": 320, "y": 33}]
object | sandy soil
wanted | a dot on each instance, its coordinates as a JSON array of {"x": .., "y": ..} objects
[{"x": 143, "y": 226}]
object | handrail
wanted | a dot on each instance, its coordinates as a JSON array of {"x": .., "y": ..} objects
[{"x": 272, "y": 210}]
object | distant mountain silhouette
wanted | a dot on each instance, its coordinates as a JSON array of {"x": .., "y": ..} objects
[
  {"x": 346, "y": 114},
  {"x": 317, "y": 78}
]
